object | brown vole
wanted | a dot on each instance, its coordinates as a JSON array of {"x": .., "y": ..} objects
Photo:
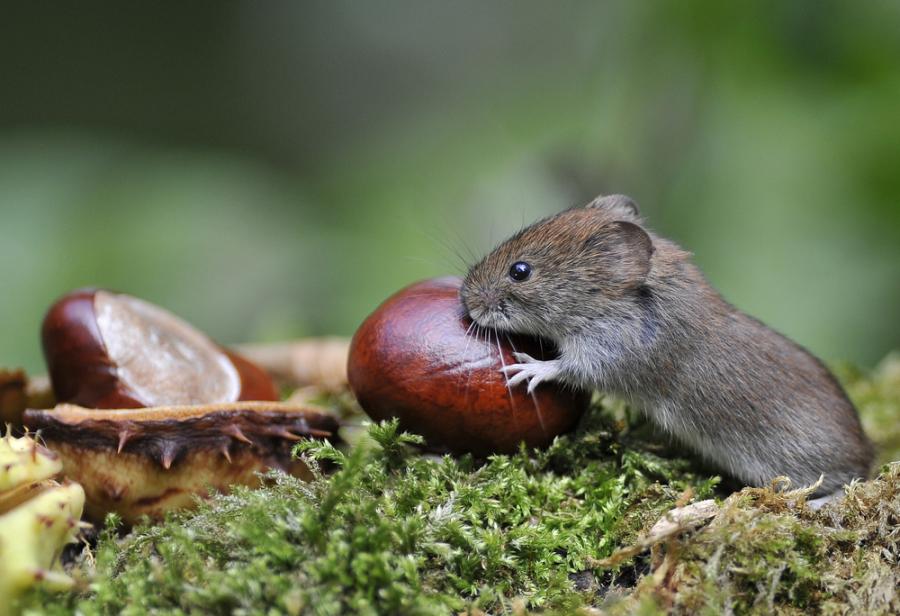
[{"x": 631, "y": 315}]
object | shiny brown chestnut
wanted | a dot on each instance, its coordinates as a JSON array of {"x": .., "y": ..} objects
[
  {"x": 110, "y": 350},
  {"x": 13, "y": 397},
  {"x": 417, "y": 358}
]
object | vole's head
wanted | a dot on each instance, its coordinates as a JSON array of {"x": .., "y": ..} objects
[{"x": 553, "y": 277}]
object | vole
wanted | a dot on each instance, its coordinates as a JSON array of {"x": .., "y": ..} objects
[{"x": 632, "y": 316}]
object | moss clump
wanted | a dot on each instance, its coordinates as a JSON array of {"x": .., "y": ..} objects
[{"x": 767, "y": 553}]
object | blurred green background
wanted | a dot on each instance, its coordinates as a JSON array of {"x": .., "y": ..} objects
[{"x": 270, "y": 170}]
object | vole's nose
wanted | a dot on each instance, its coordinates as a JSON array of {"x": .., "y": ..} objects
[
  {"x": 478, "y": 302},
  {"x": 491, "y": 300}
]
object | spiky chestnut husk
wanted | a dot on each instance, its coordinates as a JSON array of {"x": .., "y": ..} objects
[
  {"x": 23, "y": 462},
  {"x": 148, "y": 461},
  {"x": 38, "y": 517},
  {"x": 417, "y": 358},
  {"x": 111, "y": 350}
]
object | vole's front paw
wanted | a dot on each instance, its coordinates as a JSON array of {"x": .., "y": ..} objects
[{"x": 533, "y": 371}]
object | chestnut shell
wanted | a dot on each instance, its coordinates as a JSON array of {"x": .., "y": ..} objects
[
  {"x": 149, "y": 461},
  {"x": 81, "y": 371},
  {"x": 416, "y": 359}
]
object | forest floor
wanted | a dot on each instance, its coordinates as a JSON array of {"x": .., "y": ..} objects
[{"x": 388, "y": 530}]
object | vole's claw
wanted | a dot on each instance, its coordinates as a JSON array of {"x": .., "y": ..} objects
[
  {"x": 531, "y": 370},
  {"x": 515, "y": 374}
]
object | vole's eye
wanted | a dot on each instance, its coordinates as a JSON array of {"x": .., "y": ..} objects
[{"x": 520, "y": 271}]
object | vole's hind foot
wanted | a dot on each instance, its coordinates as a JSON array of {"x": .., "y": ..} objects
[
  {"x": 817, "y": 503},
  {"x": 530, "y": 370}
]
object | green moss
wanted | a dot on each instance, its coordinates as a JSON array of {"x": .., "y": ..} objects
[{"x": 391, "y": 531}]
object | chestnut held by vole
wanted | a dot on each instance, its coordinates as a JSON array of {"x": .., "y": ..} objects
[{"x": 631, "y": 315}]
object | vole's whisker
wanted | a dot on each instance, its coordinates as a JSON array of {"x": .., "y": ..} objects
[
  {"x": 473, "y": 326},
  {"x": 462, "y": 264},
  {"x": 537, "y": 405},
  {"x": 462, "y": 242},
  {"x": 420, "y": 259},
  {"x": 512, "y": 399}
]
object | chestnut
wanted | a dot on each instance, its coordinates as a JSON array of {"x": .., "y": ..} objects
[
  {"x": 418, "y": 358},
  {"x": 13, "y": 396},
  {"x": 110, "y": 350}
]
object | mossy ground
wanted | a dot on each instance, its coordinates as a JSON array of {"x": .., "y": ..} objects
[{"x": 391, "y": 531}]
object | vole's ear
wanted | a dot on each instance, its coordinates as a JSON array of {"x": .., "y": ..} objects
[
  {"x": 620, "y": 206},
  {"x": 623, "y": 250}
]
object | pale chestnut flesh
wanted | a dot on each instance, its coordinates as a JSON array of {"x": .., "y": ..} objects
[
  {"x": 110, "y": 350},
  {"x": 418, "y": 358}
]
